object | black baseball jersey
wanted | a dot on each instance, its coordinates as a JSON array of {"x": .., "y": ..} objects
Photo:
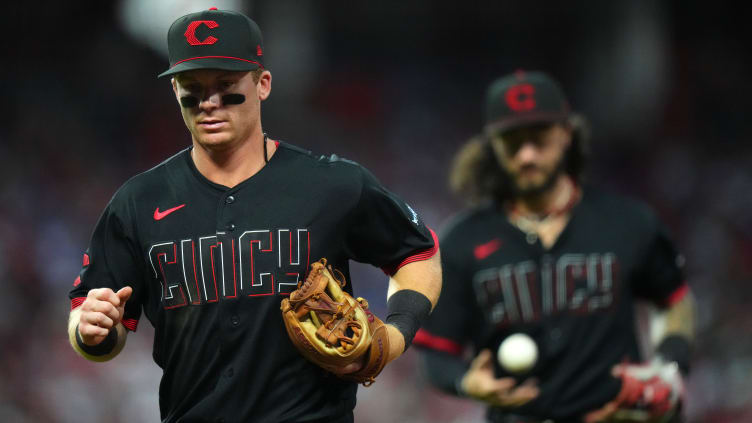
[
  {"x": 209, "y": 266},
  {"x": 576, "y": 299}
]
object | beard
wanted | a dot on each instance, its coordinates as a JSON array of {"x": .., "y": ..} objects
[{"x": 532, "y": 190}]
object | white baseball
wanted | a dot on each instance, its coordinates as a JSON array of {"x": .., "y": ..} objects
[{"x": 518, "y": 353}]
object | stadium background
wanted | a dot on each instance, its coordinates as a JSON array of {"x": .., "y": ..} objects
[{"x": 397, "y": 86}]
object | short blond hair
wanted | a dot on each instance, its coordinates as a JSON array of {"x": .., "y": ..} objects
[{"x": 256, "y": 74}]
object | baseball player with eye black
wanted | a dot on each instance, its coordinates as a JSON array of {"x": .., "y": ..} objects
[
  {"x": 542, "y": 273},
  {"x": 208, "y": 243}
]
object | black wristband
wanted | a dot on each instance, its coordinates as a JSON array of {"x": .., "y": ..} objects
[
  {"x": 676, "y": 348},
  {"x": 103, "y": 348},
  {"x": 407, "y": 310}
]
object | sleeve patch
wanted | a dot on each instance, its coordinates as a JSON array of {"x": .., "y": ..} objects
[{"x": 86, "y": 260}]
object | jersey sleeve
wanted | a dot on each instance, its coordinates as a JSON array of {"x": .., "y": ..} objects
[
  {"x": 385, "y": 231},
  {"x": 660, "y": 278},
  {"x": 111, "y": 261},
  {"x": 450, "y": 326}
]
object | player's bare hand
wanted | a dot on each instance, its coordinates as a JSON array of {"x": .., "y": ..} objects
[
  {"x": 480, "y": 383},
  {"x": 101, "y": 311},
  {"x": 396, "y": 348},
  {"x": 351, "y": 367}
]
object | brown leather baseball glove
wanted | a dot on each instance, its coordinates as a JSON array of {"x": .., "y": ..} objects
[{"x": 331, "y": 328}]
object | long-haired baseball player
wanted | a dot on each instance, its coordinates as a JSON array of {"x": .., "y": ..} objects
[
  {"x": 550, "y": 259},
  {"x": 207, "y": 244}
]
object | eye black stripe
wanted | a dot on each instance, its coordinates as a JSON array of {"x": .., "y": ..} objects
[
  {"x": 233, "y": 99},
  {"x": 188, "y": 101}
]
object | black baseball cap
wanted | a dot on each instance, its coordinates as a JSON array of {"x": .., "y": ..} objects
[
  {"x": 524, "y": 98},
  {"x": 214, "y": 39}
]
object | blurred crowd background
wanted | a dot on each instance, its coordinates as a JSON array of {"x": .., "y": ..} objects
[{"x": 397, "y": 86}]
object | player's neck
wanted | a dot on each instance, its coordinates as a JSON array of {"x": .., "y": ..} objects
[
  {"x": 232, "y": 165},
  {"x": 559, "y": 198}
]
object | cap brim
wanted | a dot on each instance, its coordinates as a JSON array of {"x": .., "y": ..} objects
[
  {"x": 513, "y": 122},
  {"x": 229, "y": 64}
]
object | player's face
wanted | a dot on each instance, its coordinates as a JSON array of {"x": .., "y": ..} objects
[
  {"x": 216, "y": 120},
  {"x": 532, "y": 156}
]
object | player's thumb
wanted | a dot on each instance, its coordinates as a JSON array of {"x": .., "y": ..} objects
[
  {"x": 124, "y": 294},
  {"x": 483, "y": 360}
]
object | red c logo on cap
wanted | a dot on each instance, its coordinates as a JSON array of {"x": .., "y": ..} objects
[
  {"x": 190, "y": 33},
  {"x": 520, "y": 98}
]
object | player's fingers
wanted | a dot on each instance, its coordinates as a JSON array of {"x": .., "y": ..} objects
[
  {"x": 124, "y": 294},
  {"x": 349, "y": 368},
  {"x": 617, "y": 370},
  {"x": 104, "y": 294},
  {"x": 89, "y": 331},
  {"x": 107, "y": 309},
  {"x": 482, "y": 360},
  {"x": 533, "y": 382},
  {"x": 525, "y": 393},
  {"x": 97, "y": 319},
  {"x": 503, "y": 385},
  {"x": 518, "y": 396},
  {"x": 602, "y": 414}
]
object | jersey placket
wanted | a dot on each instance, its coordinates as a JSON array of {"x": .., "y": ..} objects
[{"x": 229, "y": 316}]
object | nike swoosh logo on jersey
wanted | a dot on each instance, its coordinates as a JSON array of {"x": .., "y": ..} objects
[
  {"x": 158, "y": 215},
  {"x": 484, "y": 250}
]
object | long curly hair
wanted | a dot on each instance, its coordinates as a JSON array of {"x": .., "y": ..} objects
[{"x": 477, "y": 176}]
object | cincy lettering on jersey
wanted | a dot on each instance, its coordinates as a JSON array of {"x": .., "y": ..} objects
[
  {"x": 528, "y": 291},
  {"x": 255, "y": 263}
]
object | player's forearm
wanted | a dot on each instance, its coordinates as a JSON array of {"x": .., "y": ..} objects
[
  {"x": 680, "y": 317},
  {"x": 421, "y": 276},
  {"x": 413, "y": 292},
  {"x": 93, "y": 353},
  {"x": 676, "y": 342}
]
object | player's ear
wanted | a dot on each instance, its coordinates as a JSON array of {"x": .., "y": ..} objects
[
  {"x": 569, "y": 133},
  {"x": 175, "y": 88},
  {"x": 264, "y": 85}
]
